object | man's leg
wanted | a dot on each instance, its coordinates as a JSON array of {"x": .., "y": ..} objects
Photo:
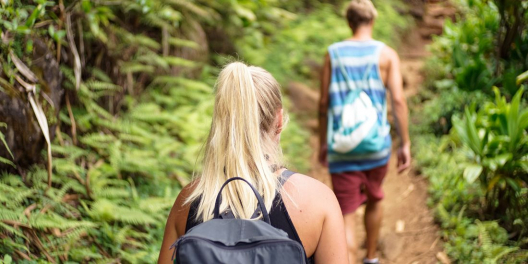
[
  {"x": 373, "y": 216},
  {"x": 374, "y": 210},
  {"x": 350, "y": 231},
  {"x": 347, "y": 188}
]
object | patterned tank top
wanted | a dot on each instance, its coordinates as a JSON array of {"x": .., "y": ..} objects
[{"x": 356, "y": 74}]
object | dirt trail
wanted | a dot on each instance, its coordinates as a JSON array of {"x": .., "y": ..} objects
[{"x": 408, "y": 234}]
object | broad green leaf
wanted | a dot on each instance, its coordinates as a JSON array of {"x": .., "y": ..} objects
[
  {"x": 522, "y": 77},
  {"x": 503, "y": 158},
  {"x": 524, "y": 165},
  {"x": 523, "y": 117},
  {"x": 493, "y": 182},
  {"x": 513, "y": 184},
  {"x": 7, "y": 259},
  {"x": 472, "y": 172},
  {"x": 473, "y": 139},
  {"x": 513, "y": 120}
]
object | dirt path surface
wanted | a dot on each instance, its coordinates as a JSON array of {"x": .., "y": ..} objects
[{"x": 408, "y": 234}]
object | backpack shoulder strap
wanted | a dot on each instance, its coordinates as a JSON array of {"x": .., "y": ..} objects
[{"x": 282, "y": 180}]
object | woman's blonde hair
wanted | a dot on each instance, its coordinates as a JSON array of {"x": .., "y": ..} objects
[{"x": 242, "y": 142}]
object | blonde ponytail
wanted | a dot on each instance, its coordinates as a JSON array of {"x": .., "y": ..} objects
[{"x": 242, "y": 142}]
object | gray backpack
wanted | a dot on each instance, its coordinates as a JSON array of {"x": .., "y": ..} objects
[{"x": 237, "y": 241}]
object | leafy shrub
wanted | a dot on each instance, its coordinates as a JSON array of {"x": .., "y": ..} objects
[
  {"x": 132, "y": 135},
  {"x": 436, "y": 114},
  {"x": 474, "y": 51},
  {"x": 497, "y": 144},
  {"x": 480, "y": 200},
  {"x": 458, "y": 204}
]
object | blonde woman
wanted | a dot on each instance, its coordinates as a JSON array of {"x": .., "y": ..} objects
[{"x": 244, "y": 142}]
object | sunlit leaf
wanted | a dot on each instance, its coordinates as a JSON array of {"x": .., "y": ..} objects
[{"x": 472, "y": 172}]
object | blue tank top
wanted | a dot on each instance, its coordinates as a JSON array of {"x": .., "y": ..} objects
[{"x": 356, "y": 74}]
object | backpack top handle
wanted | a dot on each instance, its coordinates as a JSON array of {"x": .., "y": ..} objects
[{"x": 261, "y": 205}]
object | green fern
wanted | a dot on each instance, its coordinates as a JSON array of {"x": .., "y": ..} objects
[
  {"x": 2, "y": 139},
  {"x": 493, "y": 250},
  {"x": 97, "y": 85},
  {"x": 183, "y": 43}
]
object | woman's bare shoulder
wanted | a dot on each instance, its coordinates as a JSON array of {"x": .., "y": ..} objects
[
  {"x": 306, "y": 182},
  {"x": 307, "y": 191}
]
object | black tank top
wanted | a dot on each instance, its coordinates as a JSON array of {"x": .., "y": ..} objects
[{"x": 278, "y": 215}]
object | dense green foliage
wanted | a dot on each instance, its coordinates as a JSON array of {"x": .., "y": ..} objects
[
  {"x": 119, "y": 158},
  {"x": 297, "y": 51},
  {"x": 133, "y": 136},
  {"x": 138, "y": 88},
  {"x": 466, "y": 125},
  {"x": 476, "y": 53}
]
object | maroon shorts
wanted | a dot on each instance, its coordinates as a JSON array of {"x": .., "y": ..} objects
[{"x": 352, "y": 188}]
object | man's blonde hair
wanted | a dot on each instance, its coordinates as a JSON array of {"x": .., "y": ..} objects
[{"x": 360, "y": 12}]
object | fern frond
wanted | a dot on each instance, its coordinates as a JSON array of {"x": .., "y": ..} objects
[
  {"x": 53, "y": 220},
  {"x": 64, "y": 166},
  {"x": 68, "y": 73},
  {"x": 134, "y": 67},
  {"x": 202, "y": 12},
  {"x": 61, "y": 207},
  {"x": 8, "y": 162},
  {"x": 499, "y": 252},
  {"x": 2, "y": 139},
  {"x": 10, "y": 180},
  {"x": 60, "y": 194},
  {"x": 183, "y": 43},
  {"x": 20, "y": 196},
  {"x": 97, "y": 85},
  {"x": 100, "y": 75},
  {"x": 6, "y": 214},
  {"x": 112, "y": 193},
  {"x": 144, "y": 41},
  {"x": 153, "y": 19},
  {"x": 97, "y": 140},
  {"x": 152, "y": 58},
  {"x": 11, "y": 230},
  {"x": 484, "y": 238},
  {"x": 107, "y": 211},
  {"x": 82, "y": 253},
  {"x": 136, "y": 139},
  {"x": 177, "y": 61},
  {"x": 155, "y": 205}
]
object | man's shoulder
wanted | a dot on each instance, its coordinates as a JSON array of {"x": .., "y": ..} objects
[
  {"x": 335, "y": 45},
  {"x": 389, "y": 52}
]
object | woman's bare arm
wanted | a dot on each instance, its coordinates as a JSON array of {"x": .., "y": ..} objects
[
  {"x": 175, "y": 226},
  {"x": 332, "y": 242},
  {"x": 316, "y": 215}
]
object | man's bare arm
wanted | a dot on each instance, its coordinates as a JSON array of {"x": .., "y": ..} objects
[
  {"x": 323, "y": 107},
  {"x": 399, "y": 109}
]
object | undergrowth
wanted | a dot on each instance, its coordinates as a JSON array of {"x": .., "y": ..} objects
[
  {"x": 138, "y": 109},
  {"x": 470, "y": 133}
]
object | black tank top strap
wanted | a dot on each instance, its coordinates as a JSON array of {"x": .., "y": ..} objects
[
  {"x": 285, "y": 176},
  {"x": 278, "y": 215}
]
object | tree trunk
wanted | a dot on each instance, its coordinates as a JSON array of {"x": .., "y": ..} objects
[{"x": 23, "y": 134}]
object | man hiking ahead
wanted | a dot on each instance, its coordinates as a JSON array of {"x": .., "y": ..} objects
[{"x": 354, "y": 131}]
